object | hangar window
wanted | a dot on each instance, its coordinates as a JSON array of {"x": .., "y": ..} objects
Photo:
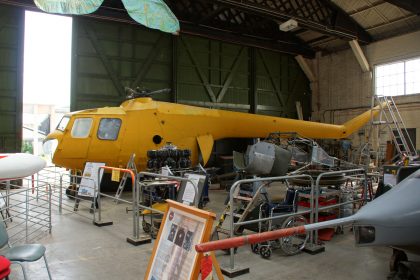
[
  {"x": 81, "y": 127},
  {"x": 399, "y": 78},
  {"x": 109, "y": 129}
]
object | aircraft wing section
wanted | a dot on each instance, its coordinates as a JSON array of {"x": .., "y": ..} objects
[
  {"x": 74, "y": 7},
  {"x": 205, "y": 142}
]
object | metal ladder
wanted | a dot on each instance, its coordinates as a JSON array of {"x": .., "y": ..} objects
[
  {"x": 130, "y": 165},
  {"x": 390, "y": 116},
  {"x": 245, "y": 204}
]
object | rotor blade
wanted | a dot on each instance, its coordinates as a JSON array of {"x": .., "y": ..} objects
[
  {"x": 153, "y": 14},
  {"x": 74, "y": 7}
]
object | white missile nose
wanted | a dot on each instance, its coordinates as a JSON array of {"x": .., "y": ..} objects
[
  {"x": 35, "y": 162},
  {"x": 14, "y": 166}
]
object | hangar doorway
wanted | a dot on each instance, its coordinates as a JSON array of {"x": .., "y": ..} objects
[{"x": 47, "y": 76}]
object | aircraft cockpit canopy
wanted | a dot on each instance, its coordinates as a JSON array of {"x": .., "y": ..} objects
[{"x": 63, "y": 123}]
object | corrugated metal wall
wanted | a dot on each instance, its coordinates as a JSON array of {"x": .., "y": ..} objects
[
  {"x": 109, "y": 56},
  {"x": 203, "y": 72},
  {"x": 212, "y": 73},
  {"x": 11, "y": 78},
  {"x": 280, "y": 83},
  {"x": 221, "y": 75}
]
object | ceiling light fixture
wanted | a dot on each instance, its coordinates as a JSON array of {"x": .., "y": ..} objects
[{"x": 288, "y": 25}]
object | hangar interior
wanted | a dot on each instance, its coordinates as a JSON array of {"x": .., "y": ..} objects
[{"x": 323, "y": 61}]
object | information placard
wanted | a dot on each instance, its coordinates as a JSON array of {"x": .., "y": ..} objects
[
  {"x": 174, "y": 256},
  {"x": 90, "y": 178}
]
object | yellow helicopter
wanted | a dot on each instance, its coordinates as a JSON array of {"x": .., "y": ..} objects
[{"x": 140, "y": 124}]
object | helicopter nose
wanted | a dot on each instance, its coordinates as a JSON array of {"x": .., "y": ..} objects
[{"x": 49, "y": 146}]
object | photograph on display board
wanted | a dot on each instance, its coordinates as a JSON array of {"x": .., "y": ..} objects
[{"x": 175, "y": 257}]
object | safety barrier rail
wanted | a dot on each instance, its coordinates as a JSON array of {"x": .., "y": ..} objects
[
  {"x": 26, "y": 215},
  {"x": 268, "y": 179},
  {"x": 60, "y": 180},
  {"x": 140, "y": 190},
  {"x": 358, "y": 172},
  {"x": 136, "y": 202},
  {"x": 314, "y": 209},
  {"x": 63, "y": 184}
]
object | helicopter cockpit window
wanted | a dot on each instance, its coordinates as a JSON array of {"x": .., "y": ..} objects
[
  {"x": 109, "y": 129},
  {"x": 81, "y": 127},
  {"x": 63, "y": 123}
]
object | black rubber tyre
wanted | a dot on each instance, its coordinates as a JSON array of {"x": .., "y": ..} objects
[
  {"x": 291, "y": 245},
  {"x": 71, "y": 193},
  {"x": 265, "y": 252},
  {"x": 255, "y": 248},
  {"x": 146, "y": 226}
]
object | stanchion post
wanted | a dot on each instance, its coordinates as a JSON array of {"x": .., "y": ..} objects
[
  {"x": 26, "y": 215},
  {"x": 137, "y": 239},
  {"x": 95, "y": 193},
  {"x": 135, "y": 210},
  {"x": 313, "y": 248},
  {"x": 311, "y": 217},
  {"x": 136, "y": 216},
  {"x": 60, "y": 196},
  {"x": 99, "y": 223},
  {"x": 49, "y": 208},
  {"x": 98, "y": 201},
  {"x": 8, "y": 194},
  {"x": 365, "y": 189}
]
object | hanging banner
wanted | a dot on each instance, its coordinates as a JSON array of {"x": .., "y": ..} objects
[
  {"x": 150, "y": 13},
  {"x": 153, "y": 14},
  {"x": 72, "y": 7}
]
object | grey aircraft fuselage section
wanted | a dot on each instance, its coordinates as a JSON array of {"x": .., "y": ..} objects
[{"x": 393, "y": 219}]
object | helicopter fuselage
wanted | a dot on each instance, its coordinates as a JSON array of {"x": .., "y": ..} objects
[{"x": 112, "y": 134}]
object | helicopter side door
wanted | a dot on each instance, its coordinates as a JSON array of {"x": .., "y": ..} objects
[
  {"x": 106, "y": 140},
  {"x": 76, "y": 140}
]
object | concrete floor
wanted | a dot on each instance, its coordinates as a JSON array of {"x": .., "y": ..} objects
[{"x": 77, "y": 249}]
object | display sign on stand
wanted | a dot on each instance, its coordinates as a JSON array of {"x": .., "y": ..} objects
[
  {"x": 88, "y": 182},
  {"x": 90, "y": 179},
  {"x": 187, "y": 193},
  {"x": 174, "y": 256}
]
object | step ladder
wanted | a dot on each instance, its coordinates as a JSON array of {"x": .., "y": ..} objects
[
  {"x": 364, "y": 154},
  {"x": 130, "y": 165},
  {"x": 391, "y": 117},
  {"x": 244, "y": 205}
]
